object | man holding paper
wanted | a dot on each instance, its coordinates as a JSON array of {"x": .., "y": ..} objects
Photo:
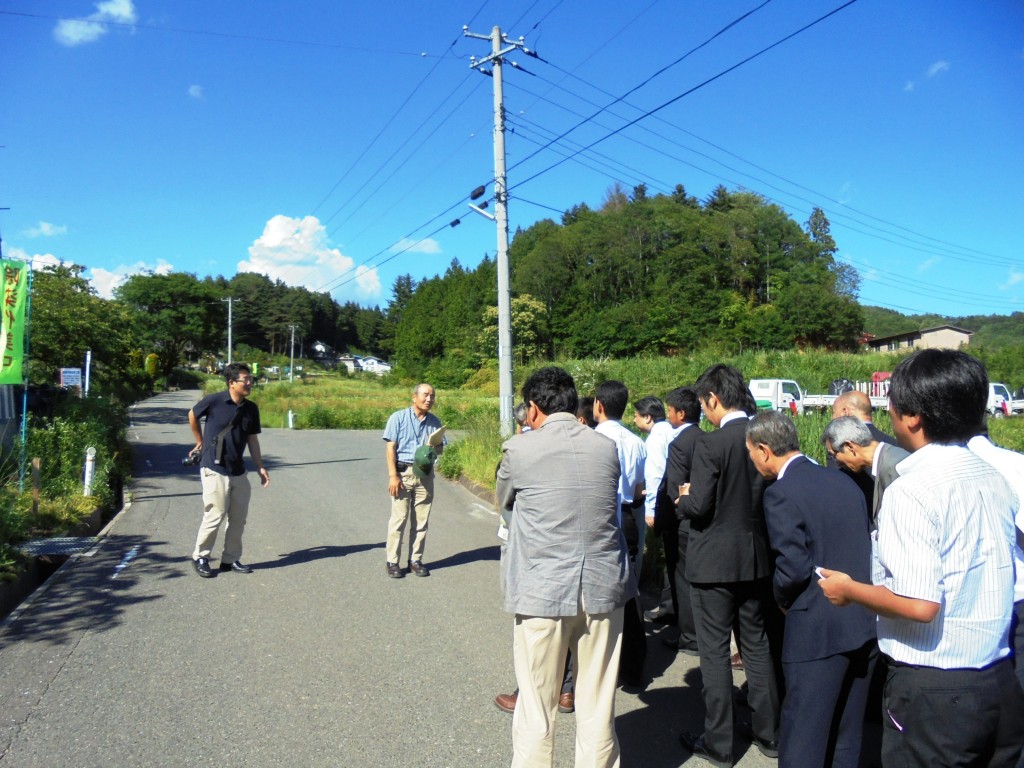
[{"x": 414, "y": 437}]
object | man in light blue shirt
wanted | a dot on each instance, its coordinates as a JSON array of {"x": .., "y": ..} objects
[{"x": 410, "y": 478}]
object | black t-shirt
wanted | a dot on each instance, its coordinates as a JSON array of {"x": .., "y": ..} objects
[{"x": 219, "y": 409}]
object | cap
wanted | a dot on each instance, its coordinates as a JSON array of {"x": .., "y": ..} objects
[{"x": 423, "y": 461}]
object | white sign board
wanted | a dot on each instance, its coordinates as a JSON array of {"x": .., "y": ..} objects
[{"x": 71, "y": 377}]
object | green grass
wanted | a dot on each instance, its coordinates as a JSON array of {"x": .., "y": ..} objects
[{"x": 334, "y": 402}]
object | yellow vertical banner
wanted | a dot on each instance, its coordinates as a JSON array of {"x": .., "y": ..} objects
[{"x": 12, "y": 321}]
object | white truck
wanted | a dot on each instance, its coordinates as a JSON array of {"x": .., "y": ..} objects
[
  {"x": 777, "y": 395},
  {"x": 1000, "y": 403},
  {"x": 787, "y": 395}
]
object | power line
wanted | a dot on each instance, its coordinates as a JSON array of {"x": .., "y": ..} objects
[
  {"x": 228, "y": 35},
  {"x": 695, "y": 88}
]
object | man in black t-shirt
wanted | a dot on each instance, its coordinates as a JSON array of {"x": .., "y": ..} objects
[{"x": 232, "y": 423}]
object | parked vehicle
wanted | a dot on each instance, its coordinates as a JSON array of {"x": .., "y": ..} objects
[
  {"x": 777, "y": 395},
  {"x": 999, "y": 400}
]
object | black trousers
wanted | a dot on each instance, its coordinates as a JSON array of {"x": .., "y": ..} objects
[
  {"x": 717, "y": 610},
  {"x": 676, "y": 539},
  {"x": 952, "y": 717},
  {"x": 633, "y": 654}
]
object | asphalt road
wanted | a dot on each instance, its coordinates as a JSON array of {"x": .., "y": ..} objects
[{"x": 126, "y": 657}]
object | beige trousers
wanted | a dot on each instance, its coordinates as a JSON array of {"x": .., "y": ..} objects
[
  {"x": 539, "y": 648},
  {"x": 414, "y": 499},
  {"x": 223, "y": 496}
]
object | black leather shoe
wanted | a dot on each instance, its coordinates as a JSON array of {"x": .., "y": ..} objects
[
  {"x": 394, "y": 571},
  {"x": 418, "y": 569},
  {"x": 202, "y": 566},
  {"x": 238, "y": 567},
  {"x": 766, "y": 748},
  {"x": 695, "y": 746}
]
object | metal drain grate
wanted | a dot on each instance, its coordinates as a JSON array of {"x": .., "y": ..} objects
[{"x": 56, "y": 547}]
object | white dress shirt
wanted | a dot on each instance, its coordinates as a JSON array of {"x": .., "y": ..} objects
[
  {"x": 1010, "y": 465},
  {"x": 632, "y": 458},
  {"x": 945, "y": 535},
  {"x": 658, "y": 439}
]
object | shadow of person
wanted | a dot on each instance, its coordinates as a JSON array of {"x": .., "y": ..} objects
[
  {"x": 649, "y": 736},
  {"x": 481, "y": 554},
  {"x": 312, "y": 554}
]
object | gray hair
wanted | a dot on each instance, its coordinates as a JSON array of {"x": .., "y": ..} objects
[
  {"x": 774, "y": 429},
  {"x": 846, "y": 429}
]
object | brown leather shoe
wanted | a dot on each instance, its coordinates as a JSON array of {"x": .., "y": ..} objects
[
  {"x": 506, "y": 702},
  {"x": 417, "y": 568},
  {"x": 735, "y": 661},
  {"x": 567, "y": 703},
  {"x": 394, "y": 571}
]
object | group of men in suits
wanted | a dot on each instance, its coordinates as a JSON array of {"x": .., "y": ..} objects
[{"x": 907, "y": 555}]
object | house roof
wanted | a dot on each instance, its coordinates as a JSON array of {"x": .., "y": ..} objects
[{"x": 918, "y": 333}]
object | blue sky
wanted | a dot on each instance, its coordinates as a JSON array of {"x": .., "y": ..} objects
[{"x": 329, "y": 144}]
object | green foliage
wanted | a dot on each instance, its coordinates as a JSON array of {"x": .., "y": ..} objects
[
  {"x": 152, "y": 364},
  {"x": 68, "y": 319},
  {"x": 61, "y": 443}
]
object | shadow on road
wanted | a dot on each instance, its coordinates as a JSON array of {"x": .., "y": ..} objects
[
  {"x": 650, "y": 736},
  {"x": 482, "y": 554},
  {"x": 315, "y": 553},
  {"x": 99, "y": 594}
]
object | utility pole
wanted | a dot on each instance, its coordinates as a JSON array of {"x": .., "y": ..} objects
[
  {"x": 291, "y": 368},
  {"x": 495, "y": 60},
  {"x": 230, "y": 300}
]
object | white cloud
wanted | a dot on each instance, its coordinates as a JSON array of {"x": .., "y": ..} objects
[
  {"x": 927, "y": 264},
  {"x": 72, "y": 32},
  {"x": 196, "y": 92},
  {"x": 938, "y": 68},
  {"x": 45, "y": 229},
  {"x": 426, "y": 245},
  {"x": 1014, "y": 278},
  {"x": 38, "y": 260},
  {"x": 106, "y": 281},
  {"x": 297, "y": 252},
  {"x": 909, "y": 86}
]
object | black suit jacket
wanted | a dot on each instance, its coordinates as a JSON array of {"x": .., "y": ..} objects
[
  {"x": 816, "y": 517},
  {"x": 728, "y": 540},
  {"x": 863, "y": 479},
  {"x": 677, "y": 472}
]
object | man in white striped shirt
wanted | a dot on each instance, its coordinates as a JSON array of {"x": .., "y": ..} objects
[{"x": 943, "y": 577}]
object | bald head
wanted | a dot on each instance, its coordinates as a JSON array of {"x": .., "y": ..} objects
[{"x": 852, "y": 403}]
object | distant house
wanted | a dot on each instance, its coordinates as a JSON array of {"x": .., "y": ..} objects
[
  {"x": 324, "y": 354},
  {"x": 351, "y": 363},
  {"x": 941, "y": 337},
  {"x": 375, "y": 365}
]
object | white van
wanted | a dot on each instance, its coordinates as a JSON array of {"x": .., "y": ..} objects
[{"x": 778, "y": 395}]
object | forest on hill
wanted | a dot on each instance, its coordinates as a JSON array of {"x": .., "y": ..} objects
[
  {"x": 657, "y": 276},
  {"x": 661, "y": 275}
]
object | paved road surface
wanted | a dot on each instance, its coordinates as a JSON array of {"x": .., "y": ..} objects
[{"x": 127, "y": 658}]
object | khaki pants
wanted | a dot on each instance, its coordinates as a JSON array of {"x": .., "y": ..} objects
[
  {"x": 414, "y": 499},
  {"x": 539, "y": 647},
  {"x": 223, "y": 496}
]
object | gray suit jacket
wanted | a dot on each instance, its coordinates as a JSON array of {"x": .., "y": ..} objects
[
  {"x": 559, "y": 483},
  {"x": 891, "y": 456}
]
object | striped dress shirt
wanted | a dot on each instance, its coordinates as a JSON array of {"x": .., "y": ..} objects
[{"x": 945, "y": 535}]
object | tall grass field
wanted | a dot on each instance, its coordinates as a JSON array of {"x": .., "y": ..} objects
[{"x": 471, "y": 412}]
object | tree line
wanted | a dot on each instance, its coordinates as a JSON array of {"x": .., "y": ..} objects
[
  {"x": 641, "y": 274},
  {"x": 663, "y": 275}
]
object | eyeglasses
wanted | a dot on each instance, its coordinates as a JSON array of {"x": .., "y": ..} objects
[{"x": 245, "y": 380}]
